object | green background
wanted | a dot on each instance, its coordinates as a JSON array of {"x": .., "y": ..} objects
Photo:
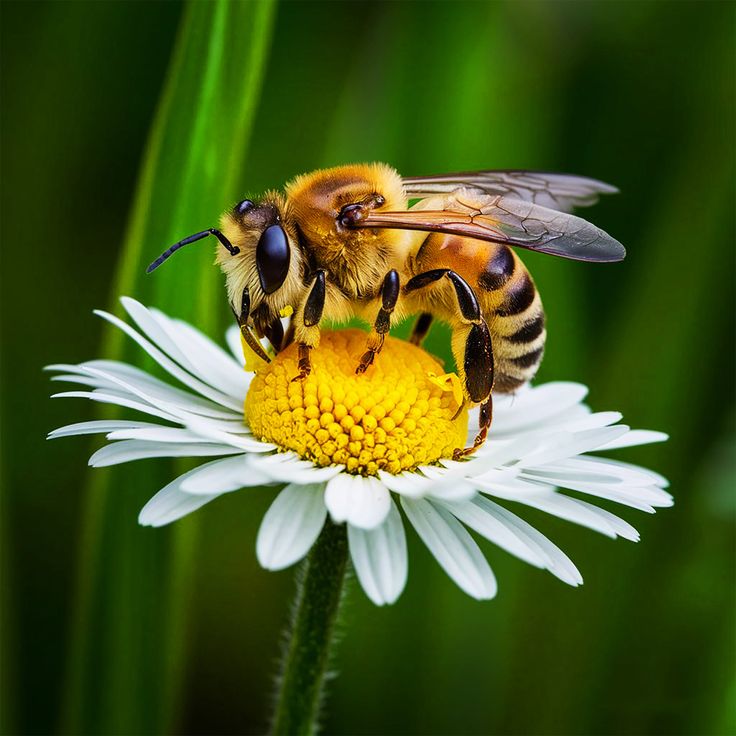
[{"x": 129, "y": 125}]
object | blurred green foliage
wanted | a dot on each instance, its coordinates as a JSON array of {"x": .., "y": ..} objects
[{"x": 159, "y": 115}]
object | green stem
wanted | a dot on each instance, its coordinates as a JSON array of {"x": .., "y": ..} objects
[{"x": 307, "y": 655}]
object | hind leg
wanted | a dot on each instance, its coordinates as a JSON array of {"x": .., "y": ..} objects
[
  {"x": 471, "y": 346},
  {"x": 474, "y": 357},
  {"x": 484, "y": 422}
]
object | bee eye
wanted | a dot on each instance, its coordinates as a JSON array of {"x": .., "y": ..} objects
[
  {"x": 272, "y": 258},
  {"x": 244, "y": 206}
]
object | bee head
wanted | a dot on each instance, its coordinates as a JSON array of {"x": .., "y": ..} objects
[{"x": 268, "y": 262}]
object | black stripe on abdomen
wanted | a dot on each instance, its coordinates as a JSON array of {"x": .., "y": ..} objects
[
  {"x": 528, "y": 360},
  {"x": 529, "y": 332},
  {"x": 518, "y": 297}
]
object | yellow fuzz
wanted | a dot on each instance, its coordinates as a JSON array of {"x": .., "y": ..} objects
[{"x": 395, "y": 416}]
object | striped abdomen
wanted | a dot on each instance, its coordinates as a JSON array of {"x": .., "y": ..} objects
[
  {"x": 508, "y": 298},
  {"x": 513, "y": 309}
]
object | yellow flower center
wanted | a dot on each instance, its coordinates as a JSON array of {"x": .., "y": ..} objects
[{"x": 394, "y": 417}]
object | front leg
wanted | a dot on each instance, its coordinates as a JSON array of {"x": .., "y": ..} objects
[
  {"x": 381, "y": 326},
  {"x": 242, "y": 317},
  {"x": 306, "y": 324}
]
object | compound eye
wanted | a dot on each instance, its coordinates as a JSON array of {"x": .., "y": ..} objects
[
  {"x": 272, "y": 258},
  {"x": 242, "y": 207}
]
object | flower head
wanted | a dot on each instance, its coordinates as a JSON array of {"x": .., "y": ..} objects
[
  {"x": 358, "y": 448},
  {"x": 394, "y": 418}
]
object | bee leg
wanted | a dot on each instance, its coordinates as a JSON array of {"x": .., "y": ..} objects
[
  {"x": 389, "y": 297},
  {"x": 471, "y": 346},
  {"x": 484, "y": 422},
  {"x": 306, "y": 324},
  {"x": 421, "y": 328},
  {"x": 304, "y": 364},
  {"x": 478, "y": 375},
  {"x": 242, "y": 320}
]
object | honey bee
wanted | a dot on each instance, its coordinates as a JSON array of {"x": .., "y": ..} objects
[{"x": 344, "y": 242}]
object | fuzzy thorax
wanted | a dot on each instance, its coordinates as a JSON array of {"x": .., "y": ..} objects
[
  {"x": 357, "y": 259},
  {"x": 394, "y": 417}
]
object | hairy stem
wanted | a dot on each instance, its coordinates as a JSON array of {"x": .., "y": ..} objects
[{"x": 308, "y": 649}]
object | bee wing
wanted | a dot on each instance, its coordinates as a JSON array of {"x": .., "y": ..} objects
[
  {"x": 504, "y": 220},
  {"x": 557, "y": 191}
]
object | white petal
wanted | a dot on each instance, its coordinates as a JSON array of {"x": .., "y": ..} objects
[
  {"x": 626, "y": 472},
  {"x": 127, "y": 380},
  {"x": 210, "y": 362},
  {"x": 199, "y": 424},
  {"x": 362, "y": 502},
  {"x": 98, "y": 426},
  {"x": 489, "y": 479},
  {"x": 128, "y": 450},
  {"x": 228, "y": 474},
  {"x": 171, "y": 367},
  {"x": 82, "y": 380},
  {"x": 430, "y": 480},
  {"x": 156, "y": 434},
  {"x": 171, "y": 503},
  {"x": 537, "y": 405},
  {"x": 564, "y": 507},
  {"x": 620, "y": 527},
  {"x": 587, "y": 420},
  {"x": 141, "y": 384},
  {"x": 496, "y": 453},
  {"x": 448, "y": 482},
  {"x": 408, "y": 483},
  {"x": 452, "y": 547},
  {"x": 110, "y": 397},
  {"x": 155, "y": 331},
  {"x": 556, "y": 561},
  {"x": 644, "y": 498},
  {"x": 219, "y": 431},
  {"x": 479, "y": 516},
  {"x": 635, "y": 437},
  {"x": 291, "y": 526},
  {"x": 210, "y": 429},
  {"x": 380, "y": 559},
  {"x": 564, "y": 445},
  {"x": 288, "y": 467}
]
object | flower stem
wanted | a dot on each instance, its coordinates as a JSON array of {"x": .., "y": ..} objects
[{"x": 307, "y": 655}]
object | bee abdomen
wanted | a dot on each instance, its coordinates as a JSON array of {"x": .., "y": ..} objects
[
  {"x": 515, "y": 316},
  {"x": 518, "y": 354}
]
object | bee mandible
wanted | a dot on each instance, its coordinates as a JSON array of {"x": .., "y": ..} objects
[{"x": 344, "y": 242}]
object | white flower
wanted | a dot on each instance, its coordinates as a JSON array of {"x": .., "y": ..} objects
[{"x": 539, "y": 443}]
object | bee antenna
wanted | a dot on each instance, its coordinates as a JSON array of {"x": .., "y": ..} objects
[{"x": 233, "y": 250}]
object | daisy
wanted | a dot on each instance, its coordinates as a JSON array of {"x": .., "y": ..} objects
[{"x": 361, "y": 450}]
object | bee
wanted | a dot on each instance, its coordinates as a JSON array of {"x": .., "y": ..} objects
[{"x": 345, "y": 242}]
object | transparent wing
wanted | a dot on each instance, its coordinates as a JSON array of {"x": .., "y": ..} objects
[
  {"x": 556, "y": 191},
  {"x": 505, "y": 220}
]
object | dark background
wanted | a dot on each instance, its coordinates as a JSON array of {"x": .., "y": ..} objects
[{"x": 128, "y": 125}]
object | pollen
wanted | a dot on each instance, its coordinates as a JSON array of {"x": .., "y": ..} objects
[{"x": 395, "y": 416}]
